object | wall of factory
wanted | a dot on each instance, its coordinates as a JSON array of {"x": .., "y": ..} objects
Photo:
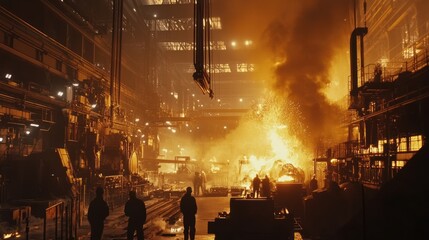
[
  {"x": 397, "y": 31},
  {"x": 389, "y": 125},
  {"x": 56, "y": 51},
  {"x": 94, "y": 49}
]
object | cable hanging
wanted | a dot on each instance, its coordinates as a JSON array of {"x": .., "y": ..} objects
[{"x": 202, "y": 48}]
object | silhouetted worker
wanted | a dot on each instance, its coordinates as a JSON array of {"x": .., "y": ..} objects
[
  {"x": 313, "y": 184},
  {"x": 378, "y": 71},
  {"x": 97, "y": 212},
  {"x": 266, "y": 191},
  {"x": 188, "y": 207},
  {"x": 256, "y": 184},
  {"x": 197, "y": 183},
  {"x": 135, "y": 209},
  {"x": 203, "y": 182}
]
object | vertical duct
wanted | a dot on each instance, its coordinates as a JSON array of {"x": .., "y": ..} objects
[
  {"x": 357, "y": 32},
  {"x": 115, "y": 57}
]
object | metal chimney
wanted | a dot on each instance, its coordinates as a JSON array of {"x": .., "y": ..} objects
[{"x": 357, "y": 32}]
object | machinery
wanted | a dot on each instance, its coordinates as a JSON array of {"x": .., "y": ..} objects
[
  {"x": 253, "y": 219},
  {"x": 290, "y": 196},
  {"x": 217, "y": 191}
]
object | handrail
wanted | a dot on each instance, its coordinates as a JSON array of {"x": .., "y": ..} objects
[
  {"x": 392, "y": 70},
  {"x": 59, "y": 212}
]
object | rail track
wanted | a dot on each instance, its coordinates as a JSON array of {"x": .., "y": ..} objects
[{"x": 159, "y": 211}]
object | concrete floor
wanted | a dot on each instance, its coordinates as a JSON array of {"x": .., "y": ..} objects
[{"x": 208, "y": 209}]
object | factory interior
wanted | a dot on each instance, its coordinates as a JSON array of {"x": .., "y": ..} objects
[{"x": 327, "y": 101}]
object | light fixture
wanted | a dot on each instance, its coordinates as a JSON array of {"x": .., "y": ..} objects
[{"x": 60, "y": 93}]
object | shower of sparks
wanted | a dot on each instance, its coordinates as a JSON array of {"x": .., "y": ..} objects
[{"x": 265, "y": 143}]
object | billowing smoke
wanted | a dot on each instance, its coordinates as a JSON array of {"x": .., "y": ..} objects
[
  {"x": 304, "y": 43},
  {"x": 303, "y": 53},
  {"x": 304, "y": 48}
]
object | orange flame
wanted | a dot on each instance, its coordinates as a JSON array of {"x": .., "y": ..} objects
[
  {"x": 286, "y": 178},
  {"x": 278, "y": 147}
]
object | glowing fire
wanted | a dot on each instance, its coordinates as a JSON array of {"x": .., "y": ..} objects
[
  {"x": 266, "y": 142},
  {"x": 278, "y": 154},
  {"x": 286, "y": 178}
]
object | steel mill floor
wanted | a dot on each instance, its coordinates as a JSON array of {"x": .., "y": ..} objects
[{"x": 208, "y": 208}]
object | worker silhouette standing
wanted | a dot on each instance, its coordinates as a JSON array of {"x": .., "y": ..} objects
[
  {"x": 266, "y": 191},
  {"x": 313, "y": 184},
  {"x": 135, "y": 210},
  {"x": 97, "y": 212},
  {"x": 188, "y": 207},
  {"x": 256, "y": 184},
  {"x": 203, "y": 182},
  {"x": 197, "y": 183}
]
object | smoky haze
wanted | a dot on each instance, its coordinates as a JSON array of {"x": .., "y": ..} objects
[
  {"x": 299, "y": 44},
  {"x": 304, "y": 49}
]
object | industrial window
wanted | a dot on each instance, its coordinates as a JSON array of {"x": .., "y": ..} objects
[
  {"x": 402, "y": 144},
  {"x": 398, "y": 164},
  {"x": 416, "y": 142},
  {"x": 381, "y": 145},
  {"x": 215, "y": 23},
  {"x": 245, "y": 67},
  {"x": 221, "y": 68}
]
